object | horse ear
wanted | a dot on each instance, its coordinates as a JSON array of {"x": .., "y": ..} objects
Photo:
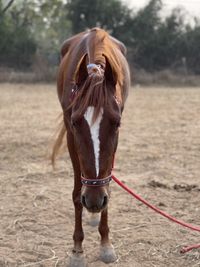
[
  {"x": 70, "y": 42},
  {"x": 110, "y": 76},
  {"x": 120, "y": 45},
  {"x": 82, "y": 72}
]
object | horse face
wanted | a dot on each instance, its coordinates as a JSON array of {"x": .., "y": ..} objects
[{"x": 96, "y": 143}]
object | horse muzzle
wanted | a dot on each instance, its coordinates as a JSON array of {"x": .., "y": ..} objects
[{"x": 94, "y": 204}]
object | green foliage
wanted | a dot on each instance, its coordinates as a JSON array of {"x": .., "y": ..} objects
[
  {"x": 191, "y": 51},
  {"x": 160, "y": 43},
  {"x": 51, "y": 25},
  {"x": 107, "y": 14},
  {"x": 144, "y": 28},
  {"x": 32, "y": 27},
  {"x": 17, "y": 45}
]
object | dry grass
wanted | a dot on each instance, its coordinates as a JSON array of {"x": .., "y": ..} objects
[
  {"x": 40, "y": 72},
  {"x": 158, "y": 153},
  {"x": 12, "y": 76},
  {"x": 166, "y": 78}
]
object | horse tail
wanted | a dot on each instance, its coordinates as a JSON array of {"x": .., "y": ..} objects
[{"x": 58, "y": 143}]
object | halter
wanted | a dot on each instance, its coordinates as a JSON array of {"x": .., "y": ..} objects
[
  {"x": 96, "y": 182},
  {"x": 92, "y": 68}
]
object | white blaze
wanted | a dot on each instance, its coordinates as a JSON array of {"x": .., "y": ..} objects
[{"x": 94, "y": 131}]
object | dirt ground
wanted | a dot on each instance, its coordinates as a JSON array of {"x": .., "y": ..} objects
[{"x": 158, "y": 156}]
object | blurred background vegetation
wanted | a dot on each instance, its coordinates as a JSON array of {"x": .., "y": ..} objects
[{"x": 159, "y": 49}]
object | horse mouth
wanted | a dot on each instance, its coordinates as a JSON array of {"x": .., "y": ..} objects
[{"x": 95, "y": 209}]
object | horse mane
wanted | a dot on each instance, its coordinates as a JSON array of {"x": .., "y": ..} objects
[
  {"x": 94, "y": 89},
  {"x": 92, "y": 92}
]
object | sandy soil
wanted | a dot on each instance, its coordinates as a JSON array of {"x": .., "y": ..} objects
[{"x": 158, "y": 156}]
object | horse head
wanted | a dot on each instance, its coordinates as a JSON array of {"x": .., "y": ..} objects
[{"x": 95, "y": 121}]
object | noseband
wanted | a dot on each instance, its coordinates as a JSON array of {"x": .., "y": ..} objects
[{"x": 96, "y": 182}]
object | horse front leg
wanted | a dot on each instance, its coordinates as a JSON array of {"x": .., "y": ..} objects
[
  {"x": 77, "y": 258},
  {"x": 107, "y": 252},
  {"x": 78, "y": 235}
]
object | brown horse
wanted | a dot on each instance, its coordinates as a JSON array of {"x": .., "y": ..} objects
[{"x": 93, "y": 81}]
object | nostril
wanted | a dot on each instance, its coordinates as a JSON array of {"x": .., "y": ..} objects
[
  {"x": 83, "y": 201},
  {"x": 105, "y": 201}
]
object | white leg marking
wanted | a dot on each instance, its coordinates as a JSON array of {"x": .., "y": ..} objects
[
  {"x": 107, "y": 253},
  {"x": 94, "y": 131},
  {"x": 77, "y": 260}
]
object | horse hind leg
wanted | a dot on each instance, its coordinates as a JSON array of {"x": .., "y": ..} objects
[{"x": 107, "y": 252}]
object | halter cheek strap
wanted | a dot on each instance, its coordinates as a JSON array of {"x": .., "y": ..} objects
[{"x": 96, "y": 182}]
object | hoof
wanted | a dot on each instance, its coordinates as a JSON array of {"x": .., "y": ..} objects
[
  {"x": 107, "y": 254},
  {"x": 94, "y": 219},
  {"x": 77, "y": 260}
]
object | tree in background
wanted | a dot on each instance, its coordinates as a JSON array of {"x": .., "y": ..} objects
[
  {"x": 191, "y": 50},
  {"x": 17, "y": 44},
  {"x": 51, "y": 25},
  {"x": 143, "y": 29},
  {"x": 29, "y": 28},
  {"x": 33, "y": 31},
  {"x": 3, "y": 9},
  {"x": 107, "y": 14}
]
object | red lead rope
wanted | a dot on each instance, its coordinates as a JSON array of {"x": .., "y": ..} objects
[{"x": 195, "y": 228}]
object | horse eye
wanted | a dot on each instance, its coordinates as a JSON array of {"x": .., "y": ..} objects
[
  {"x": 117, "y": 124},
  {"x": 73, "y": 123}
]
